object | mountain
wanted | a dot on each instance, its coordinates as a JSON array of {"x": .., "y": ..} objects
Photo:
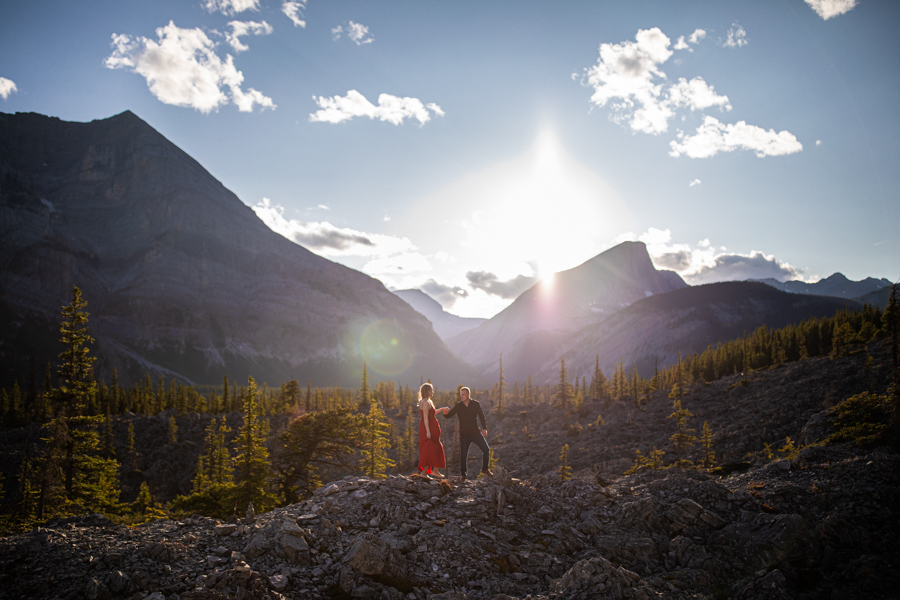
[
  {"x": 551, "y": 311},
  {"x": 654, "y": 330},
  {"x": 836, "y": 285},
  {"x": 445, "y": 324},
  {"x": 880, "y": 298},
  {"x": 182, "y": 279}
]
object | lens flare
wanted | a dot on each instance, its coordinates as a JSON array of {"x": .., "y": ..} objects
[{"x": 387, "y": 347}]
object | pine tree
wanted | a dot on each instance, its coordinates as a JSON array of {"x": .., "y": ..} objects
[
  {"x": 564, "y": 471},
  {"x": 225, "y": 401},
  {"x": 173, "y": 430},
  {"x": 308, "y": 395},
  {"x": 410, "y": 450},
  {"x": 682, "y": 438},
  {"x": 500, "y": 383},
  {"x": 252, "y": 460},
  {"x": 364, "y": 390},
  {"x": 374, "y": 452},
  {"x": 132, "y": 453},
  {"x": 706, "y": 441},
  {"x": 563, "y": 388}
]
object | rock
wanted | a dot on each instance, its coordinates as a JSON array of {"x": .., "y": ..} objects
[
  {"x": 371, "y": 556},
  {"x": 225, "y": 529},
  {"x": 784, "y": 465},
  {"x": 684, "y": 513},
  {"x": 251, "y": 514}
]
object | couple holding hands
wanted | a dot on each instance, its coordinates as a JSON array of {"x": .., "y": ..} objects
[{"x": 431, "y": 451}]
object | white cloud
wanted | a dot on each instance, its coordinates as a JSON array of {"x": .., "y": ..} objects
[
  {"x": 713, "y": 137},
  {"x": 294, "y": 11},
  {"x": 694, "y": 182},
  {"x": 230, "y": 7},
  {"x": 696, "y": 94},
  {"x": 736, "y": 37},
  {"x": 694, "y": 38},
  {"x": 390, "y": 108},
  {"x": 818, "y": 142},
  {"x": 323, "y": 207},
  {"x": 183, "y": 69},
  {"x": 328, "y": 240},
  {"x": 242, "y": 28},
  {"x": 738, "y": 267},
  {"x": 626, "y": 74},
  {"x": 357, "y": 32},
  {"x": 7, "y": 87},
  {"x": 831, "y": 8}
]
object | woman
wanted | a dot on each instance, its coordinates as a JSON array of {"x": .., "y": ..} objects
[{"x": 431, "y": 451}]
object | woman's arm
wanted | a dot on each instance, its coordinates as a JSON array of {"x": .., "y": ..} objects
[{"x": 423, "y": 407}]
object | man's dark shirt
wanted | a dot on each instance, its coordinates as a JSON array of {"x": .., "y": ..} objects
[{"x": 467, "y": 416}]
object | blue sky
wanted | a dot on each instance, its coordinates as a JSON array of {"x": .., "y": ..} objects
[{"x": 469, "y": 148}]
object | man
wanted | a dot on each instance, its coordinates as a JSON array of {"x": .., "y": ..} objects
[{"x": 469, "y": 413}]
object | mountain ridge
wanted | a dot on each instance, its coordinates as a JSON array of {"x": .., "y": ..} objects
[
  {"x": 180, "y": 276},
  {"x": 576, "y": 297}
]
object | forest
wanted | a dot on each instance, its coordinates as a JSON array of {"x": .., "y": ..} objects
[{"x": 293, "y": 438}]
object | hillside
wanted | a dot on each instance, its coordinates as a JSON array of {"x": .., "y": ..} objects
[
  {"x": 182, "y": 279},
  {"x": 822, "y": 523},
  {"x": 654, "y": 330},
  {"x": 552, "y": 311}
]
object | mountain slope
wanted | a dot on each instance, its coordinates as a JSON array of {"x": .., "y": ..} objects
[
  {"x": 653, "y": 331},
  {"x": 181, "y": 277},
  {"x": 445, "y": 324},
  {"x": 576, "y": 298}
]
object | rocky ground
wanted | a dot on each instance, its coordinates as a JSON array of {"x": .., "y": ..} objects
[
  {"x": 745, "y": 412},
  {"x": 821, "y": 526}
]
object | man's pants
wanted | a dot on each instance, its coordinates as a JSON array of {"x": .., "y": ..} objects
[{"x": 472, "y": 438}]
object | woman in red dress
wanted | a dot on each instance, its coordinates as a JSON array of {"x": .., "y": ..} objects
[{"x": 431, "y": 451}]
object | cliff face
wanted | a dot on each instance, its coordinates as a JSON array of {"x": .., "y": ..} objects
[
  {"x": 550, "y": 312},
  {"x": 181, "y": 277}
]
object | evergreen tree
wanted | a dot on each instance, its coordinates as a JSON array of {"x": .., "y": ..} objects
[
  {"x": 313, "y": 443},
  {"x": 563, "y": 388},
  {"x": 364, "y": 390},
  {"x": 564, "y": 471},
  {"x": 132, "y": 453},
  {"x": 706, "y": 441},
  {"x": 374, "y": 451},
  {"x": 173, "y": 430},
  {"x": 225, "y": 402},
  {"x": 252, "y": 460},
  {"x": 410, "y": 433},
  {"x": 308, "y": 395},
  {"x": 500, "y": 383},
  {"x": 682, "y": 438}
]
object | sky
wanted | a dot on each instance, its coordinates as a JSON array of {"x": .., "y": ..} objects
[{"x": 471, "y": 148}]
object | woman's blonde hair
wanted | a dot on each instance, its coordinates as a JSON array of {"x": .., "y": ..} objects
[{"x": 425, "y": 386}]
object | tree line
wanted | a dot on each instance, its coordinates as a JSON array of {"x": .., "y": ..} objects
[{"x": 71, "y": 464}]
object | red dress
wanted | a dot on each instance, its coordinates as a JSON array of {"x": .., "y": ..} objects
[{"x": 431, "y": 452}]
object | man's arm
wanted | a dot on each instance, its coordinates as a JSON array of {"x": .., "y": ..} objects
[
  {"x": 453, "y": 411},
  {"x": 480, "y": 416}
]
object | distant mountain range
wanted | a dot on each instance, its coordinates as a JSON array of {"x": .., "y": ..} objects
[
  {"x": 619, "y": 307},
  {"x": 836, "y": 285},
  {"x": 549, "y": 312},
  {"x": 182, "y": 279},
  {"x": 445, "y": 324}
]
